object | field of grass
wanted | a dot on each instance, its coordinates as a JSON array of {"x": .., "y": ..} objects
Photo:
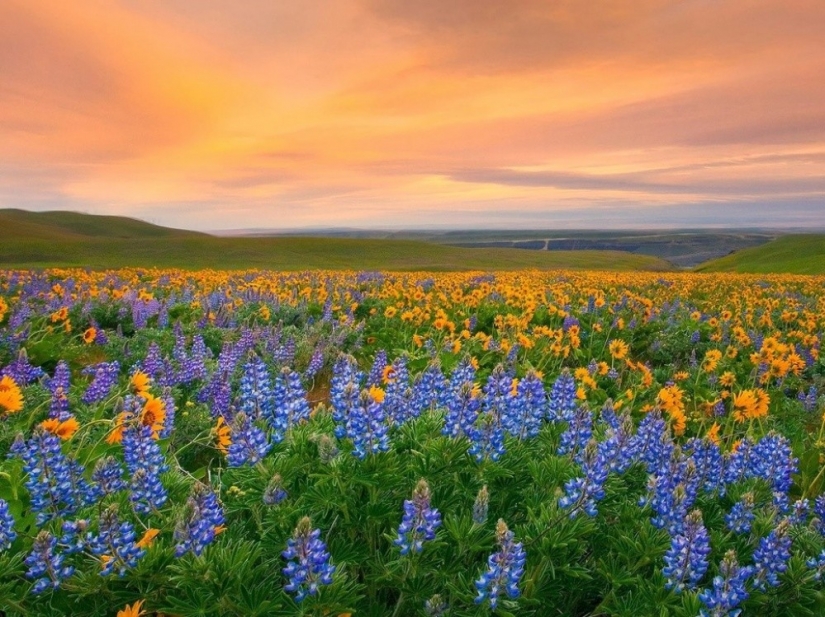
[
  {"x": 59, "y": 239},
  {"x": 796, "y": 254}
]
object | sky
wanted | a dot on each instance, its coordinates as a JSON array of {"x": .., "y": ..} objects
[{"x": 212, "y": 114}]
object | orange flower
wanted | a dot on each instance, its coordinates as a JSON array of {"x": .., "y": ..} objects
[
  {"x": 116, "y": 436},
  {"x": 224, "y": 435},
  {"x": 132, "y": 611},
  {"x": 713, "y": 433},
  {"x": 148, "y": 538},
  {"x": 388, "y": 375},
  {"x": 618, "y": 349},
  {"x": 64, "y": 429},
  {"x": 89, "y": 336},
  {"x": 750, "y": 404},
  {"x": 11, "y": 398},
  {"x": 153, "y": 414},
  {"x": 140, "y": 383},
  {"x": 377, "y": 394}
]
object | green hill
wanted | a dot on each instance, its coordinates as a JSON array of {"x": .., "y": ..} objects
[
  {"x": 59, "y": 225},
  {"x": 69, "y": 239},
  {"x": 794, "y": 254}
]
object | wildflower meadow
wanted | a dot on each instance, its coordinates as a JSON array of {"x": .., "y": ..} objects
[{"x": 389, "y": 444}]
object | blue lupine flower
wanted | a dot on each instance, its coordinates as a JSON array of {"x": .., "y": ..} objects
[
  {"x": 528, "y": 407},
  {"x": 504, "y": 569},
  {"x": 729, "y": 589},
  {"x": 146, "y": 492},
  {"x": 481, "y": 506},
  {"x": 771, "y": 557},
  {"x": 366, "y": 427},
  {"x": 307, "y": 558},
  {"x": 376, "y": 374},
  {"x": 429, "y": 388},
  {"x": 709, "y": 464},
  {"x": 819, "y": 514},
  {"x": 55, "y": 483},
  {"x": 563, "y": 401},
  {"x": 104, "y": 379},
  {"x": 345, "y": 388},
  {"x": 582, "y": 493},
  {"x": 255, "y": 392},
  {"x": 619, "y": 446},
  {"x": 108, "y": 475},
  {"x": 419, "y": 522},
  {"x": 290, "y": 405},
  {"x": 817, "y": 564},
  {"x": 463, "y": 408},
  {"x": 21, "y": 370},
  {"x": 653, "y": 443},
  {"x": 58, "y": 387},
  {"x": 274, "y": 493},
  {"x": 799, "y": 512},
  {"x": 201, "y": 521},
  {"x": 772, "y": 460},
  {"x": 141, "y": 450},
  {"x": 115, "y": 543},
  {"x": 488, "y": 433},
  {"x": 45, "y": 564},
  {"x": 249, "y": 443},
  {"x": 7, "y": 532},
  {"x": 741, "y": 515},
  {"x": 687, "y": 559},
  {"x": 737, "y": 464},
  {"x": 399, "y": 400},
  {"x": 316, "y": 363},
  {"x": 578, "y": 434},
  {"x": 435, "y": 606},
  {"x": 73, "y": 539},
  {"x": 809, "y": 399},
  {"x": 154, "y": 364}
]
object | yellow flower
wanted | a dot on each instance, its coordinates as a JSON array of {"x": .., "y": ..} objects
[
  {"x": 390, "y": 312},
  {"x": 148, "y": 538},
  {"x": 750, "y": 404},
  {"x": 377, "y": 394},
  {"x": 713, "y": 433},
  {"x": 89, "y": 336},
  {"x": 388, "y": 375},
  {"x": 140, "y": 383},
  {"x": 64, "y": 429},
  {"x": 11, "y": 398},
  {"x": 153, "y": 414},
  {"x": 618, "y": 349},
  {"x": 132, "y": 611},
  {"x": 223, "y": 434}
]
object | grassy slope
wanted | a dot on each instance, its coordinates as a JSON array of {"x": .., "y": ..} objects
[
  {"x": 61, "y": 226},
  {"x": 795, "y": 254},
  {"x": 301, "y": 254},
  {"x": 57, "y": 239}
]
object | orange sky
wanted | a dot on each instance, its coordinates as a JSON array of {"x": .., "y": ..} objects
[{"x": 210, "y": 114}]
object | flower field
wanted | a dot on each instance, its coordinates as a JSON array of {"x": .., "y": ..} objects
[{"x": 368, "y": 443}]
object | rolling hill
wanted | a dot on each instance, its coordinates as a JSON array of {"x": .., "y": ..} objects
[
  {"x": 67, "y": 239},
  {"x": 794, "y": 254}
]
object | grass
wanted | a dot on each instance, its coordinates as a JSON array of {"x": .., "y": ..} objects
[
  {"x": 71, "y": 239},
  {"x": 793, "y": 254},
  {"x": 301, "y": 253}
]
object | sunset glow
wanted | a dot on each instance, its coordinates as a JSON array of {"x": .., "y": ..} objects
[{"x": 387, "y": 113}]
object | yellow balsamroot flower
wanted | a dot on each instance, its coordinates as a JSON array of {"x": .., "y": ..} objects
[
  {"x": 390, "y": 312},
  {"x": 132, "y": 610},
  {"x": 148, "y": 538},
  {"x": 671, "y": 401},
  {"x": 388, "y": 375},
  {"x": 89, "y": 336},
  {"x": 727, "y": 379},
  {"x": 377, "y": 394},
  {"x": 223, "y": 434},
  {"x": 618, "y": 349},
  {"x": 750, "y": 404},
  {"x": 711, "y": 360},
  {"x": 713, "y": 433},
  {"x": 153, "y": 414},
  {"x": 140, "y": 383},
  {"x": 64, "y": 429},
  {"x": 11, "y": 398},
  {"x": 680, "y": 376}
]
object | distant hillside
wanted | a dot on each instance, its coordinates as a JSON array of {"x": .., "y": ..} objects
[
  {"x": 59, "y": 225},
  {"x": 64, "y": 239},
  {"x": 795, "y": 254}
]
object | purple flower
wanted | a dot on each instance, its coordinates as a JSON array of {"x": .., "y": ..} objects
[
  {"x": 308, "y": 564},
  {"x": 7, "y": 533},
  {"x": 729, "y": 589},
  {"x": 45, "y": 564},
  {"x": 419, "y": 522},
  {"x": 249, "y": 443},
  {"x": 771, "y": 557},
  {"x": 200, "y": 523},
  {"x": 504, "y": 568},
  {"x": 687, "y": 559},
  {"x": 104, "y": 378},
  {"x": 115, "y": 543}
]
